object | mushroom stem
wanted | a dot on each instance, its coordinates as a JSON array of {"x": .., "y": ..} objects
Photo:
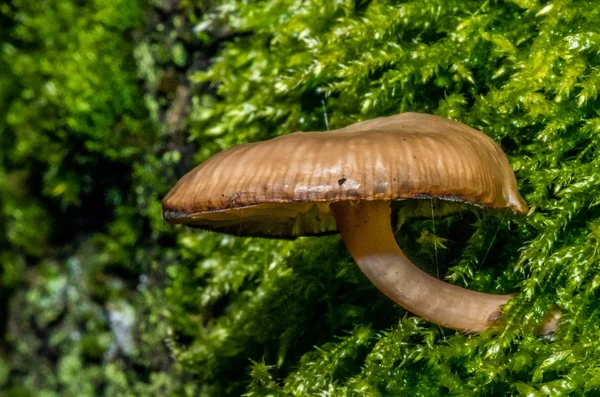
[{"x": 366, "y": 229}]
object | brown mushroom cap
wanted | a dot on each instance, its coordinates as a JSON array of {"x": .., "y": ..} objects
[{"x": 283, "y": 187}]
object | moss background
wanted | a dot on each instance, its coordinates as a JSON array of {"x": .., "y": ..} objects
[{"x": 105, "y": 103}]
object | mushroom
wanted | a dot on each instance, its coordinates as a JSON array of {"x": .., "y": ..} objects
[{"x": 314, "y": 183}]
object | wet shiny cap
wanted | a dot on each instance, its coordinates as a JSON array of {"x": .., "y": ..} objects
[{"x": 283, "y": 187}]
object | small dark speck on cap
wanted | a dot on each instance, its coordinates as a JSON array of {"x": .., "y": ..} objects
[{"x": 341, "y": 181}]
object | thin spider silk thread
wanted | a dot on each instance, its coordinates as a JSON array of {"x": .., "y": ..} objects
[
  {"x": 437, "y": 267},
  {"x": 493, "y": 239},
  {"x": 325, "y": 114},
  {"x": 241, "y": 217}
]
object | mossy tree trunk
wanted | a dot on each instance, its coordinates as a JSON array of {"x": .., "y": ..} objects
[{"x": 105, "y": 104}]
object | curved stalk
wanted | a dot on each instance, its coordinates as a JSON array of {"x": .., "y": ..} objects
[{"x": 366, "y": 229}]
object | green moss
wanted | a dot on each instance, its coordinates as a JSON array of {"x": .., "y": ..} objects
[
  {"x": 522, "y": 73},
  {"x": 73, "y": 123},
  {"x": 107, "y": 103}
]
